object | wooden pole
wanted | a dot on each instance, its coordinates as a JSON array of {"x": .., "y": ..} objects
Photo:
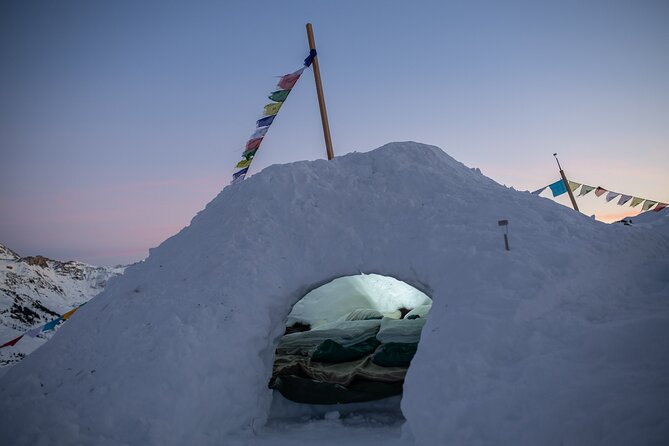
[
  {"x": 566, "y": 184},
  {"x": 321, "y": 97},
  {"x": 571, "y": 194}
]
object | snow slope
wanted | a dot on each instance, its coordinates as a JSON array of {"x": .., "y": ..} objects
[
  {"x": 35, "y": 290},
  {"x": 561, "y": 340}
]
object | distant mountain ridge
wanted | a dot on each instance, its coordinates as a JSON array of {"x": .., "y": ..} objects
[{"x": 36, "y": 289}]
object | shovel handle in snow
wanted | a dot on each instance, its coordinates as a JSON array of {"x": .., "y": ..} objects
[{"x": 505, "y": 223}]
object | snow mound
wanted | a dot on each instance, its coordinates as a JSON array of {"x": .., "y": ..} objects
[{"x": 559, "y": 341}]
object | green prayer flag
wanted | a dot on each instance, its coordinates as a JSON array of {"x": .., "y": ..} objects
[
  {"x": 279, "y": 95},
  {"x": 636, "y": 201},
  {"x": 648, "y": 204}
]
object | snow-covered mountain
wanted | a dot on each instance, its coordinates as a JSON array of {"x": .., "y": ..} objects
[
  {"x": 559, "y": 341},
  {"x": 35, "y": 290}
]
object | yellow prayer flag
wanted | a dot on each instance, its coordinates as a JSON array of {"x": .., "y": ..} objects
[
  {"x": 67, "y": 315},
  {"x": 272, "y": 109},
  {"x": 573, "y": 186},
  {"x": 243, "y": 163}
]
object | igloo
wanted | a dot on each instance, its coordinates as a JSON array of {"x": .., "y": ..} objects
[{"x": 527, "y": 346}]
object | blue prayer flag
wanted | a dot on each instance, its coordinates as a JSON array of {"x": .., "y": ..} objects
[
  {"x": 264, "y": 122},
  {"x": 558, "y": 188},
  {"x": 51, "y": 325},
  {"x": 239, "y": 173}
]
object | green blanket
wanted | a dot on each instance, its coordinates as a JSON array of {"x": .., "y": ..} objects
[{"x": 394, "y": 354}]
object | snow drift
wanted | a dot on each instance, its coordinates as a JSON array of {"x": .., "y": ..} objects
[{"x": 562, "y": 340}]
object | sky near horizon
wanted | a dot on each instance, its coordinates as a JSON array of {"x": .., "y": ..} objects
[{"x": 120, "y": 120}]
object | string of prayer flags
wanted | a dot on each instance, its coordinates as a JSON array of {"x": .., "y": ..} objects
[
  {"x": 51, "y": 325},
  {"x": 624, "y": 199},
  {"x": 558, "y": 188},
  {"x": 278, "y": 97},
  {"x": 585, "y": 190}
]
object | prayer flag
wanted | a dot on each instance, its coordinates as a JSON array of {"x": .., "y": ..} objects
[
  {"x": 539, "y": 191},
  {"x": 573, "y": 186},
  {"x": 310, "y": 58},
  {"x": 239, "y": 173},
  {"x": 243, "y": 163},
  {"x": 12, "y": 342},
  {"x": 253, "y": 144},
  {"x": 51, "y": 325},
  {"x": 558, "y": 188},
  {"x": 272, "y": 109},
  {"x": 660, "y": 206},
  {"x": 611, "y": 195},
  {"x": 586, "y": 190},
  {"x": 648, "y": 204},
  {"x": 600, "y": 191},
  {"x": 33, "y": 332},
  {"x": 67, "y": 315},
  {"x": 279, "y": 95},
  {"x": 264, "y": 122},
  {"x": 260, "y": 132},
  {"x": 635, "y": 201},
  {"x": 249, "y": 154},
  {"x": 288, "y": 81},
  {"x": 624, "y": 199},
  {"x": 237, "y": 179}
]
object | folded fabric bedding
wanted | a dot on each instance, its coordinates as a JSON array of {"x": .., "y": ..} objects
[
  {"x": 345, "y": 333},
  {"x": 394, "y": 354},
  {"x": 309, "y": 391},
  {"x": 406, "y": 331},
  {"x": 334, "y": 352},
  {"x": 342, "y": 373}
]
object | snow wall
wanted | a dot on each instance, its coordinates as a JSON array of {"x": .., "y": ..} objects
[{"x": 562, "y": 340}]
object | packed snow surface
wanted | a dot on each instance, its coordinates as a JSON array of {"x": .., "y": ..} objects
[{"x": 562, "y": 340}]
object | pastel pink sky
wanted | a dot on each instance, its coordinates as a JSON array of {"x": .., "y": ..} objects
[{"x": 120, "y": 120}]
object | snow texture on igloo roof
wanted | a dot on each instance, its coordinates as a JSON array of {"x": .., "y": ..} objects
[{"x": 558, "y": 341}]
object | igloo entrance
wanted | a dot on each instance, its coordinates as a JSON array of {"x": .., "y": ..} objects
[{"x": 350, "y": 341}]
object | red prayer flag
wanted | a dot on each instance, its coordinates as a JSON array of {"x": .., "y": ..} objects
[
  {"x": 659, "y": 207},
  {"x": 599, "y": 191},
  {"x": 289, "y": 80},
  {"x": 253, "y": 144},
  {"x": 12, "y": 342}
]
